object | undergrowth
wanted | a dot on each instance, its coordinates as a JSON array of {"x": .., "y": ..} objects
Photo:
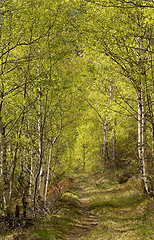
[{"x": 123, "y": 212}]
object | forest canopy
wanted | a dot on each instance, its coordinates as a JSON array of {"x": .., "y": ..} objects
[{"x": 76, "y": 93}]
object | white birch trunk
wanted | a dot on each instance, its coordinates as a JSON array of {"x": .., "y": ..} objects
[
  {"x": 140, "y": 129},
  {"x": 42, "y": 181},
  {"x": 48, "y": 174},
  {"x": 142, "y": 140},
  {"x": 105, "y": 130},
  {"x": 150, "y": 104},
  {"x": 144, "y": 155},
  {"x": 142, "y": 115},
  {"x": 6, "y": 185},
  {"x": 105, "y": 145},
  {"x": 114, "y": 142},
  {"x": 31, "y": 176},
  {"x": 41, "y": 185},
  {"x": 50, "y": 159}
]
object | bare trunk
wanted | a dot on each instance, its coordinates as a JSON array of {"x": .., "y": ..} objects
[
  {"x": 48, "y": 173},
  {"x": 144, "y": 155},
  {"x": 16, "y": 148},
  {"x": 4, "y": 172},
  {"x": 140, "y": 129},
  {"x": 114, "y": 144},
  {"x": 15, "y": 159},
  {"x": 150, "y": 116},
  {"x": 150, "y": 103},
  {"x": 152, "y": 134},
  {"x": 6, "y": 185},
  {"x": 105, "y": 129},
  {"x": 105, "y": 145},
  {"x": 42, "y": 181},
  {"x": 50, "y": 160},
  {"x": 31, "y": 176},
  {"x": 84, "y": 157},
  {"x": 41, "y": 186},
  {"x": 142, "y": 140}
]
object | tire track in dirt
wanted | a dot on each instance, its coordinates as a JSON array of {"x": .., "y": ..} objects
[{"x": 88, "y": 220}]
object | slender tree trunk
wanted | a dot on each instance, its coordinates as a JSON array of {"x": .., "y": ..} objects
[
  {"x": 4, "y": 172},
  {"x": 50, "y": 159},
  {"x": 15, "y": 158},
  {"x": 39, "y": 180},
  {"x": 25, "y": 174},
  {"x": 40, "y": 156},
  {"x": 114, "y": 144},
  {"x": 105, "y": 130},
  {"x": 84, "y": 156},
  {"x": 142, "y": 116},
  {"x": 29, "y": 162},
  {"x": 151, "y": 117},
  {"x": 144, "y": 155},
  {"x": 142, "y": 140},
  {"x": 150, "y": 101},
  {"x": 31, "y": 175},
  {"x": 21, "y": 125},
  {"x": 42, "y": 180},
  {"x": 140, "y": 129},
  {"x": 105, "y": 145},
  {"x": 48, "y": 173}
]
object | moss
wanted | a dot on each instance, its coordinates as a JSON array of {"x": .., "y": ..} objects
[{"x": 45, "y": 234}]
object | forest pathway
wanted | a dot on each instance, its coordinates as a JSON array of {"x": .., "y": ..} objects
[
  {"x": 88, "y": 220},
  {"x": 97, "y": 208},
  {"x": 112, "y": 211}
]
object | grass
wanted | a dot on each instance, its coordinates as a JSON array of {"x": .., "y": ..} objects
[
  {"x": 61, "y": 222},
  {"x": 125, "y": 213},
  {"x": 45, "y": 234},
  {"x": 122, "y": 211}
]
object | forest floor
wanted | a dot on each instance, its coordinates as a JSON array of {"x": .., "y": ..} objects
[{"x": 96, "y": 208}]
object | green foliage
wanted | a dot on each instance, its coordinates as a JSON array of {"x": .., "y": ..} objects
[{"x": 74, "y": 67}]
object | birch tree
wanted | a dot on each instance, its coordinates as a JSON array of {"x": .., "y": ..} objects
[{"x": 121, "y": 32}]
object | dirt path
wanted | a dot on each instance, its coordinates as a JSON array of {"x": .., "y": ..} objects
[
  {"x": 112, "y": 211},
  {"x": 96, "y": 209},
  {"x": 88, "y": 220}
]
